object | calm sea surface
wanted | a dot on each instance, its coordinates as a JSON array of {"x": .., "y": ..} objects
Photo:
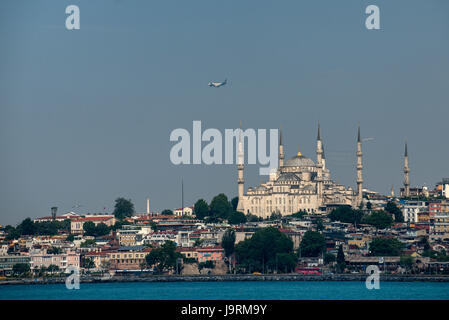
[{"x": 289, "y": 290}]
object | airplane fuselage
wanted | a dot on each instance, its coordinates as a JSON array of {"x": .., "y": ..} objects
[{"x": 216, "y": 84}]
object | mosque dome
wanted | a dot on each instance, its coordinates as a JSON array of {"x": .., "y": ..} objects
[{"x": 299, "y": 161}]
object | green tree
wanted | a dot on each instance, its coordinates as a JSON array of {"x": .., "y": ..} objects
[
  {"x": 393, "y": 209},
  {"x": 253, "y": 218},
  {"x": 406, "y": 261},
  {"x": 54, "y": 250},
  {"x": 258, "y": 253},
  {"x": 236, "y": 217},
  {"x": 329, "y": 258},
  {"x": 346, "y": 214},
  {"x": 312, "y": 244},
  {"x": 89, "y": 228},
  {"x": 424, "y": 243},
  {"x": 21, "y": 269},
  {"x": 206, "y": 265},
  {"x": 201, "y": 209},
  {"x": 153, "y": 226},
  {"x": 369, "y": 205},
  {"x": 198, "y": 243},
  {"x": 341, "y": 261},
  {"x": 340, "y": 255},
  {"x": 385, "y": 247},
  {"x": 88, "y": 263},
  {"x": 70, "y": 238},
  {"x": 220, "y": 207},
  {"x": 11, "y": 233},
  {"x": 275, "y": 216},
  {"x": 235, "y": 203},
  {"x": 378, "y": 219},
  {"x": 167, "y": 212},
  {"x": 102, "y": 229},
  {"x": 163, "y": 259},
  {"x": 27, "y": 227},
  {"x": 319, "y": 224},
  {"x": 299, "y": 214},
  {"x": 286, "y": 262},
  {"x": 228, "y": 242},
  {"x": 88, "y": 243},
  {"x": 123, "y": 208},
  {"x": 53, "y": 268}
]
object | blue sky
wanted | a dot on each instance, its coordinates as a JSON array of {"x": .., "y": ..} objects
[{"x": 86, "y": 115}]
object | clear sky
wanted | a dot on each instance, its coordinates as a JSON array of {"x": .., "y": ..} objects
[{"x": 86, "y": 115}]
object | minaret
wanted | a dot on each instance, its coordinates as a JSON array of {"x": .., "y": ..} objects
[
  {"x": 359, "y": 168},
  {"x": 324, "y": 156},
  {"x": 319, "y": 165},
  {"x": 148, "y": 206},
  {"x": 240, "y": 180},
  {"x": 281, "y": 150},
  {"x": 392, "y": 191},
  {"x": 406, "y": 173}
]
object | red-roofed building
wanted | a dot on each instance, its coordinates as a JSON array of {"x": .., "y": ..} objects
[{"x": 76, "y": 224}]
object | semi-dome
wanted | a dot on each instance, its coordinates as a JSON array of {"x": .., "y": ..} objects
[{"x": 288, "y": 177}]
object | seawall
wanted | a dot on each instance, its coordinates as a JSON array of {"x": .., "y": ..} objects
[{"x": 240, "y": 277}]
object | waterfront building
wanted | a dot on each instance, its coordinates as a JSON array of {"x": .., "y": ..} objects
[
  {"x": 8, "y": 261},
  {"x": 62, "y": 261},
  {"x": 215, "y": 253},
  {"x": 128, "y": 258}
]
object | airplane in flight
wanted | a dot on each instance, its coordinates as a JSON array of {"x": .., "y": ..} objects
[{"x": 217, "y": 84}]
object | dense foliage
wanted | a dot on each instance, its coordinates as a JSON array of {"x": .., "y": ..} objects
[
  {"x": 90, "y": 229},
  {"x": 236, "y": 217},
  {"x": 164, "y": 258},
  {"x": 312, "y": 244},
  {"x": 201, "y": 209},
  {"x": 378, "y": 219},
  {"x": 346, "y": 214},
  {"x": 393, "y": 209},
  {"x": 123, "y": 208},
  {"x": 228, "y": 242},
  {"x": 385, "y": 247},
  {"x": 262, "y": 251},
  {"x": 29, "y": 228}
]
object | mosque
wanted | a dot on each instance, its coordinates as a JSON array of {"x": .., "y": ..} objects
[{"x": 299, "y": 184}]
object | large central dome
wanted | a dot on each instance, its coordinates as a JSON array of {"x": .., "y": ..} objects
[{"x": 299, "y": 161}]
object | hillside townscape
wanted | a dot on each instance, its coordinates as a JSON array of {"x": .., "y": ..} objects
[{"x": 400, "y": 235}]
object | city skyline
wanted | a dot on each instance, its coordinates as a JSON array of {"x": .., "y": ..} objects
[{"x": 86, "y": 114}]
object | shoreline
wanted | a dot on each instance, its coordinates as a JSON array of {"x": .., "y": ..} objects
[{"x": 225, "y": 278}]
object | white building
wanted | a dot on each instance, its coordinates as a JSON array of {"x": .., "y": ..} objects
[
  {"x": 411, "y": 210},
  {"x": 188, "y": 211}
]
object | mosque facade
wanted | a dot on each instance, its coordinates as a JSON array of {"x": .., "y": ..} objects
[{"x": 299, "y": 184}]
